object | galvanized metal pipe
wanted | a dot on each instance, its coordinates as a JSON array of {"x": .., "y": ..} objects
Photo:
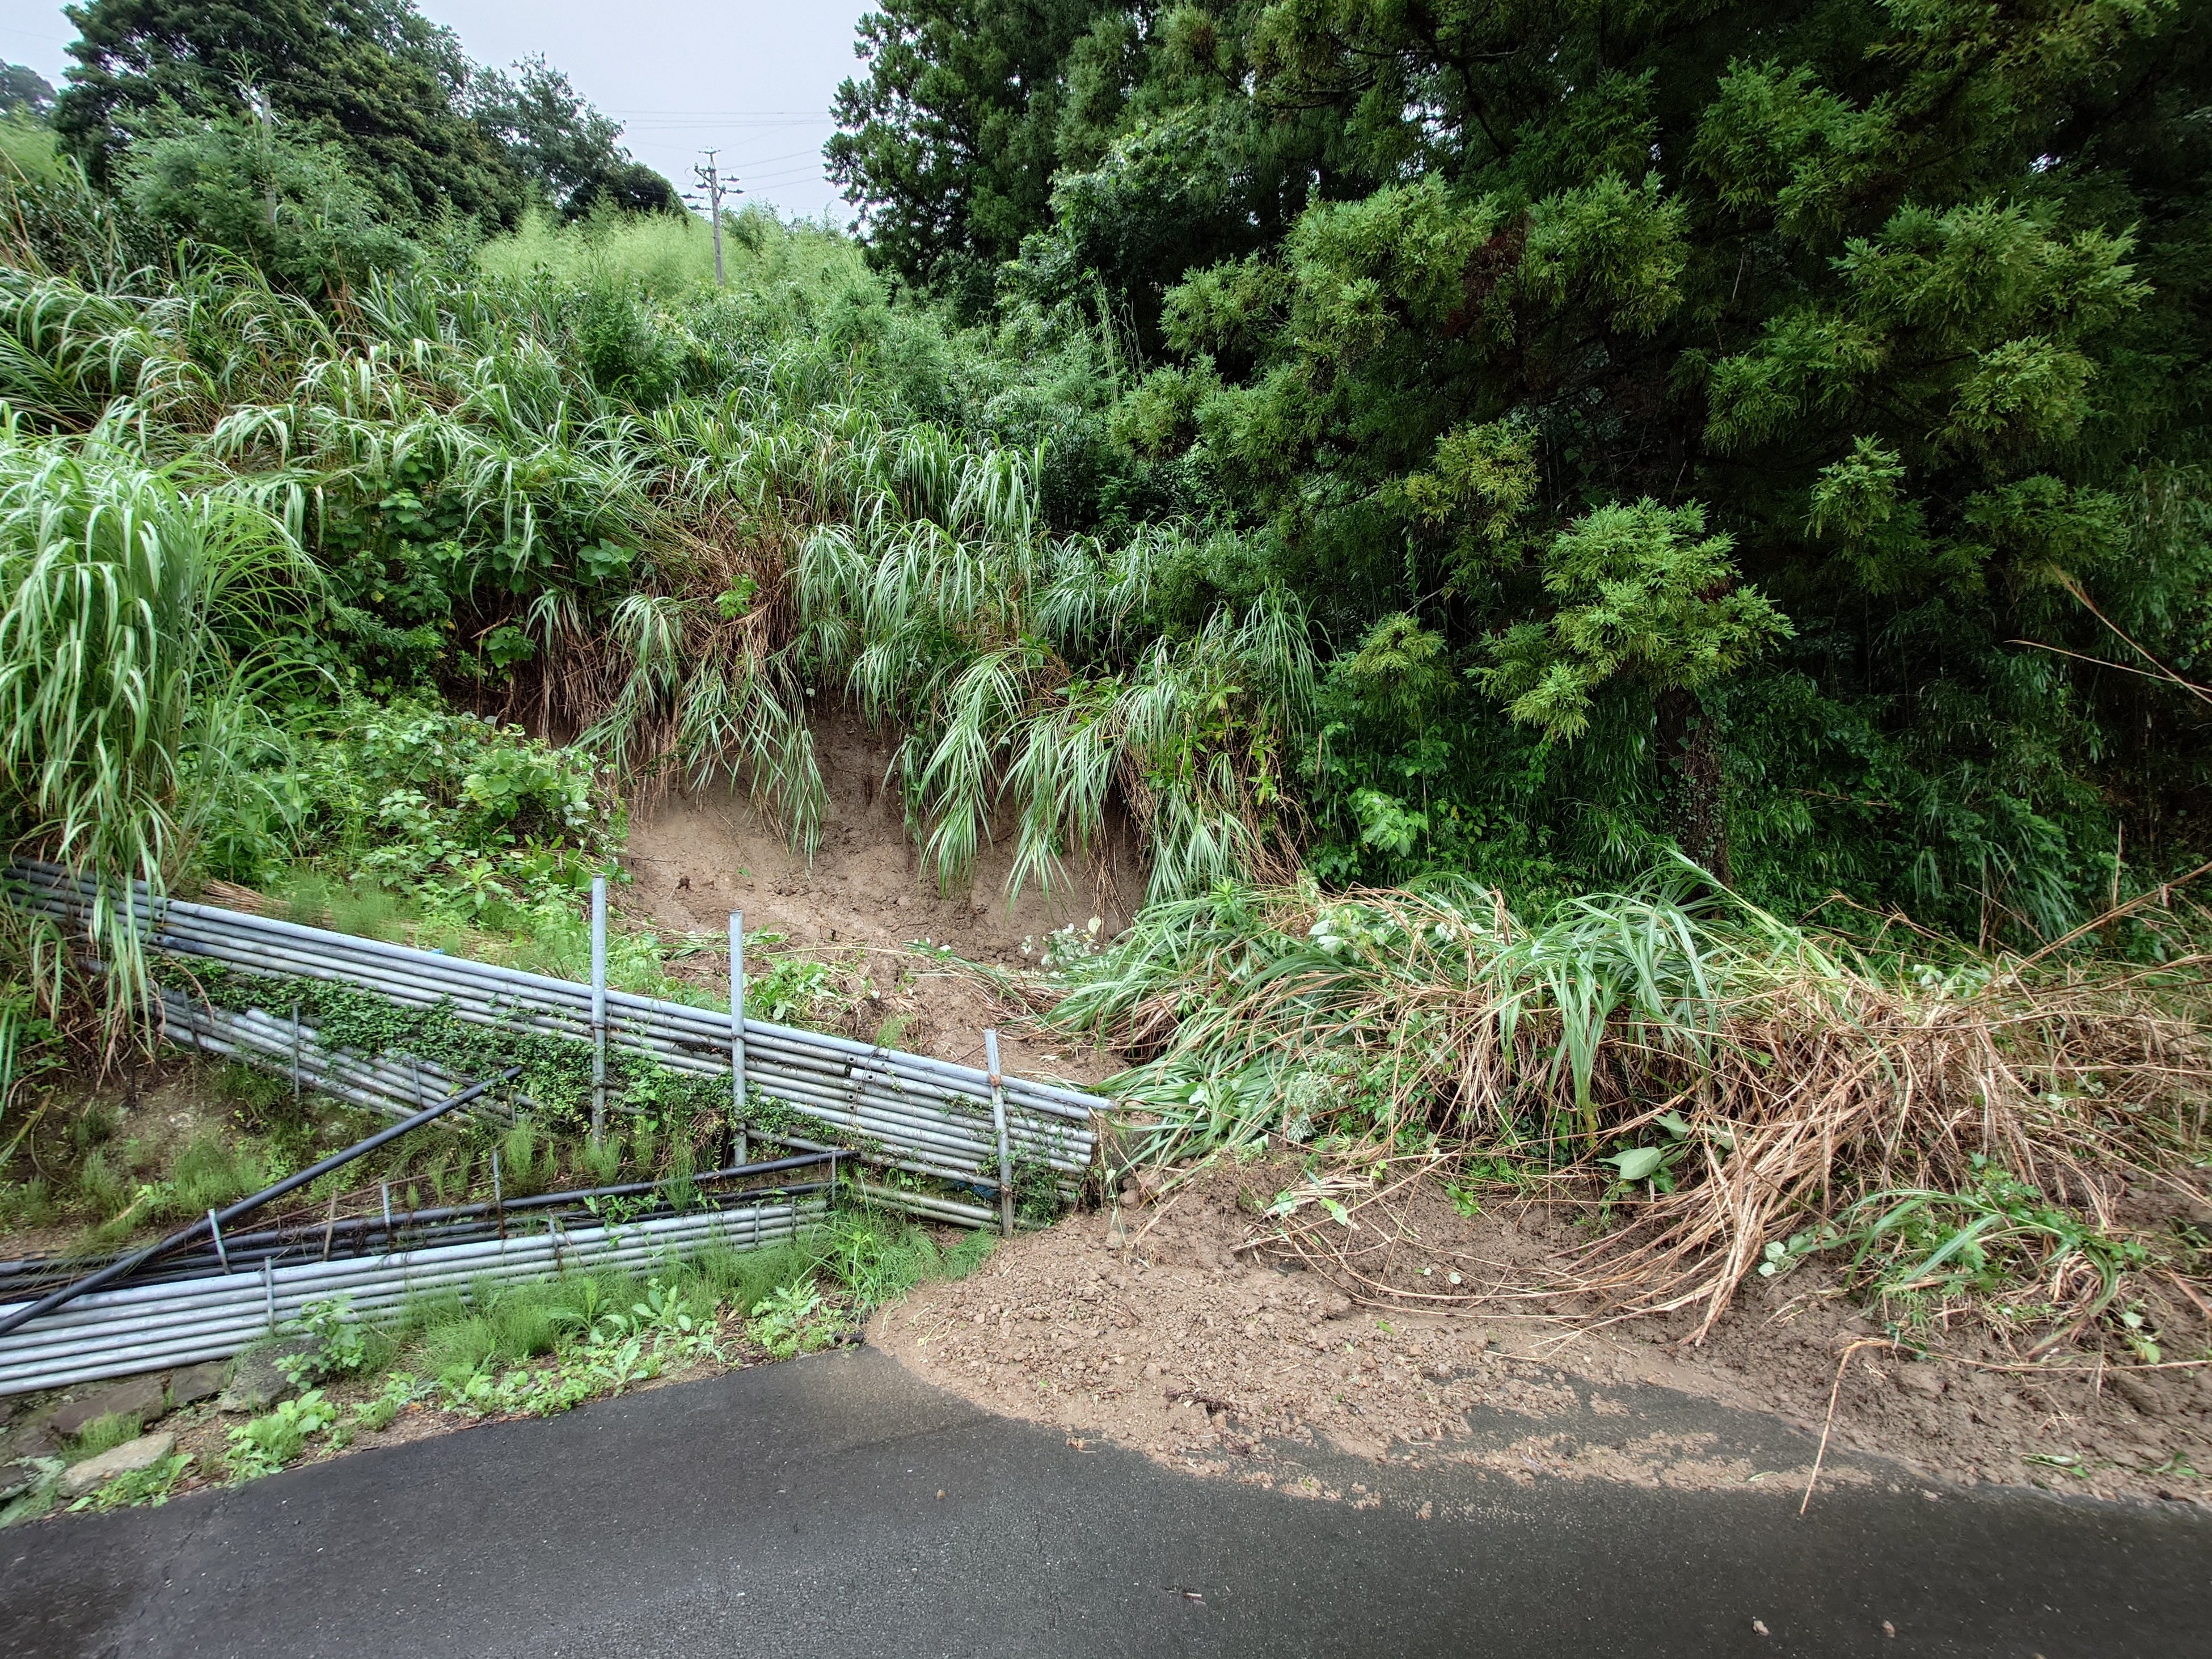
[
  {"x": 292, "y": 1183},
  {"x": 599, "y": 1009},
  {"x": 999, "y": 1123},
  {"x": 117, "y": 1332},
  {"x": 738, "y": 1034},
  {"x": 911, "y": 1102}
]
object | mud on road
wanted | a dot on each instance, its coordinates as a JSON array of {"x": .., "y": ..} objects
[{"x": 1158, "y": 1329}]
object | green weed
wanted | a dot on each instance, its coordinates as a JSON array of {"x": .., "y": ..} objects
[
  {"x": 269, "y": 1442},
  {"x": 105, "y": 1434},
  {"x": 792, "y": 1319},
  {"x": 149, "y": 1486}
]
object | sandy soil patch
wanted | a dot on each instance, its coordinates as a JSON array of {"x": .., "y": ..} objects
[{"x": 1159, "y": 1330}]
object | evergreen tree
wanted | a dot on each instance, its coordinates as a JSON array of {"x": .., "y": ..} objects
[
  {"x": 952, "y": 138},
  {"x": 1867, "y": 341},
  {"x": 24, "y": 91}
]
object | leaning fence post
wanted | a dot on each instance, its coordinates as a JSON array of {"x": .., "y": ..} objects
[
  {"x": 740, "y": 1145},
  {"x": 295, "y": 1054},
  {"x": 269, "y": 1289},
  {"x": 599, "y": 1008},
  {"x": 999, "y": 1125}
]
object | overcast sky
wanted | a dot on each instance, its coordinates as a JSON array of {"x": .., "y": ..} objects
[{"x": 755, "y": 79}]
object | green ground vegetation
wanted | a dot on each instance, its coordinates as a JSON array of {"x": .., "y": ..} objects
[{"x": 1614, "y": 543}]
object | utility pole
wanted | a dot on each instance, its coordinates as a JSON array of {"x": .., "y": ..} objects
[{"x": 710, "y": 176}]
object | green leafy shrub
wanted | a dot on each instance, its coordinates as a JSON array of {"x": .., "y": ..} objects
[
  {"x": 476, "y": 822},
  {"x": 149, "y": 1486},
  {"x": 341, "y": 1347},
  {"x": 791, "y": 1319},
  {"x": 269, "y": 1442}
]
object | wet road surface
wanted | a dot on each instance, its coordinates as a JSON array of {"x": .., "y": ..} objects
[{"x": 794, "y": 1510}]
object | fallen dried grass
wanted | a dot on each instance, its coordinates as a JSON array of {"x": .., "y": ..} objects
[{"x": 1758, "y": 1080}]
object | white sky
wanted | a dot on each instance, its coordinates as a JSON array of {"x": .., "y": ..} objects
[{"x": 754, "y": 78}]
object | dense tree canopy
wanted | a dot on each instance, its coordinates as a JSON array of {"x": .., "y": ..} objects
[
  {"x": 24, "y": 91},
  {"x": 414, "y": 120},
  {"x": 1685, "y": 419}
]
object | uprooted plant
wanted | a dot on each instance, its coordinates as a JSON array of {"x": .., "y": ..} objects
[{"x": 1724, "y": 1092}]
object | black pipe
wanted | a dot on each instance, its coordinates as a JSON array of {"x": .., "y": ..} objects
[{"x": 292, "y": 1183}]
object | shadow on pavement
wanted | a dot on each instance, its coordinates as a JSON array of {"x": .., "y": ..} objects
[{"x": 795, "y": 1509}]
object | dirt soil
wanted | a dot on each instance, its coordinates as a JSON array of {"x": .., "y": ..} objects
[
  {"x": 864, "y": 901},
  {"x": 1160, "y": 1328}
]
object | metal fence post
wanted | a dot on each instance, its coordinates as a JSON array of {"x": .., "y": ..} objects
[
  {"x": 295, "y": 1054},
  {"x": 599, "y": 1008},
  {"x": 740, "y": 1143},
  {"x": 999, "y": 1125}
]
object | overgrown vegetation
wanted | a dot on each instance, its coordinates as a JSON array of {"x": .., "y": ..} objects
[
  {"x": 1422, "y": 471},
  {"x": 2002, "y": 1130}
]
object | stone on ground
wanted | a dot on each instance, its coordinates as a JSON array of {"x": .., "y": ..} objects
[
  {"x": 132, "y": 1455},
  {"x": 197, "y": 1383},
  {"x": 145, "y": 1398},
  {"x": 256, "y": 1384}
]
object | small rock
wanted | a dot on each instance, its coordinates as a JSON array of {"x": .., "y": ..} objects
[
  {"x": 197, "y": 1383},
  {"x": 142, "y": 1453},
  {"x": 256, "y": 1384},
  {"x": 143, "y": 1397}
]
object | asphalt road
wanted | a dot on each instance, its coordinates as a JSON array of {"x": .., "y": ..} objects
[{"x": 794, "y": 1510}]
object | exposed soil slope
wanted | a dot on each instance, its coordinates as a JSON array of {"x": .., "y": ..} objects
[
  {"x": 865, "y": 900},
  {"x": 1158, "y": 1327}
]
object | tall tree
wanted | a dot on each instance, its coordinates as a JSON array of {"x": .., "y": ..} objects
[
  {"x": 24, "y": 91},
  {"x": 562, "y": 145},
  {"x": 1905, "y": 302},
  {"x": 372, "y": 76},
  {"x": 952, "y": 139}
]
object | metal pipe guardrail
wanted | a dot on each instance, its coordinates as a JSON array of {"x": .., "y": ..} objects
[
  {"x": 141, "y": 1327},
  {"x": 928, "y": 1116}
]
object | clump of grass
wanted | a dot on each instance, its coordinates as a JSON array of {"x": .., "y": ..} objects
[
  {"x": 125, "y": 602},
  {"x": 104, "y": 1188},
  {"x": 879, "y": 1256},
  {"x": 1722, "y": 1079},
  {"x": 27, "y": 1203},
  {"x": 105, "y": 1434},
  {"x": 212, "y": 1172},
  {"x": 519, "y": 1151}
]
